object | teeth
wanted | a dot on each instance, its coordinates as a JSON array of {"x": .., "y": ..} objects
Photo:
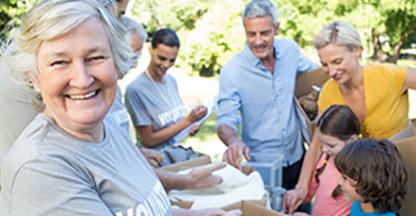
[{"x": 83, "y": 97}]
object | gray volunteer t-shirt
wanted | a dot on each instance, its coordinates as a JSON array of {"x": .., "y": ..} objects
[
  {"x": 155, "y": 104},
  {"x": 119, "y": 112},
  {"x": 49, "y": 172}
]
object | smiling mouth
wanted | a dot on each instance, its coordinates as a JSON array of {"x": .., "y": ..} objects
[{"x": 83, "y": 96}]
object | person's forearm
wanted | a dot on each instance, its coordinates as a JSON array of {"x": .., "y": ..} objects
[
  {"x": 182, "y": 212},
  {"x": 171, "y": 180},
  {"x": 152, "y": 138},
  {"x": 226, "y": 134},
  {"x": 309, "y": 163}
]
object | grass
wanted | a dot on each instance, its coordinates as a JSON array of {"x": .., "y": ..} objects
[{"x": 207, "y": 141}]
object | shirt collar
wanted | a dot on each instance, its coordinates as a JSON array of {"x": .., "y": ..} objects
[{"x": 256, "y": 61}]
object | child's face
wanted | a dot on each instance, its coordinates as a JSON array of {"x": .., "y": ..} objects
[
  {"x": 330, "y": 144},
  {"x": 348, "y": 188}
]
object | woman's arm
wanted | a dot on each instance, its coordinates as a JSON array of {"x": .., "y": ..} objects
[
  {"x": 151, "y": 138},
  {"x": 295, "y": 197},
  {"x": 410, "y": 80},
  {"x": 199, "y": 177}
]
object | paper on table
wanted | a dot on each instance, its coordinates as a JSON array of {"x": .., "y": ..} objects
[
  {"x": 252, "y": 190},
  {"x": 231, "y": 178},
  {"x": 211, "y": 109}
]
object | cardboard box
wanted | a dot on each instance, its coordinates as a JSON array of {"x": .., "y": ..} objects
[
  {"x": 250, "y": 208},
  {"x": 304, "y": 83},
  {"x": 407, "y": 148},
  {"x": 199, "y": 162},
  {"x": 247, "y": 207}
]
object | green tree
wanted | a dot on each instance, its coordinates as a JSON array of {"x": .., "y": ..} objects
[
  {"x": 11, "y": 12},
  {"x": 386, "y": 26},
  {"x": 175, "y": 14}
]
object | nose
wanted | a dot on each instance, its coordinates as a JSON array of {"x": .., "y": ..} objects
[
  {"x": 257, "y": 40},
  {"x": 167, "y": 64},
  {"x": 80, "y": 76},
  {"x": 331, "y": 71}
]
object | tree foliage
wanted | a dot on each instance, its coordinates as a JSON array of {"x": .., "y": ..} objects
[
  {"x": 211, "y": 31},
  {"x": 11, "y": 12}
]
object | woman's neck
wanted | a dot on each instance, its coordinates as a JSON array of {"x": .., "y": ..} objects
[
  {"x": 153, "y": 74},
  {"x": 356, "y": 81},
  {"x": 93, "y": 133},
  {"x": 366, "y": 207}
]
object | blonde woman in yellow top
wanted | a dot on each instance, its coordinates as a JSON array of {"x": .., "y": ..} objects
[{"x": 377, "y": 93}]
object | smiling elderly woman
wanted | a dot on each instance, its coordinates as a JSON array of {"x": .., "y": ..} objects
[{"x": 71, "y": 160}]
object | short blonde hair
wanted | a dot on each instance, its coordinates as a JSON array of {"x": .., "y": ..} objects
[
  {"x": 339, "y": 33},
  {"x": 50, "y": 19}
]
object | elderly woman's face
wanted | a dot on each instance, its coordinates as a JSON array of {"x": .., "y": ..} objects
[{"x": 77, "y": 76}]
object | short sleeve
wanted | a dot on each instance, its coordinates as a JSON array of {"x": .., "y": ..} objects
[
  {"x": 53, "y": 187},
  {"x": 303, "y": 63},
  {"x": 397, "y": 75},
  {"x": 139, "y": 115}
]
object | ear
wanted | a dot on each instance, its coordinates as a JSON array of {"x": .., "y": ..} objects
[
  {"x": 34, "y": 79},
  {"x": 277, "y": 29},
  {"x": 358, "y": 52}
]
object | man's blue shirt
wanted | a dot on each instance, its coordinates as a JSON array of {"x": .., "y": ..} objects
[{"x": 264, "y": 99}]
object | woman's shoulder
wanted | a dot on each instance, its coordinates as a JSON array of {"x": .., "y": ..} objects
[
  {"x": 383, "y": 68},
  {"x": 141, "y": 82},
  {"x": 33, "y": 149}
]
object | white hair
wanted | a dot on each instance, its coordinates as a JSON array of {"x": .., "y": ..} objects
[
  {"x": 50, "y": 19},
  {"x": 339, "y": 33},
  {"x": 132, "y": 25},
  {"x": 260, "y": 8}
]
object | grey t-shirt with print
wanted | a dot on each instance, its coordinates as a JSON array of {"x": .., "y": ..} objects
[
  {"x": 155, "y": 104},
  {"x": 49, "y": 172},
  {"x": 119, "y": 112}
]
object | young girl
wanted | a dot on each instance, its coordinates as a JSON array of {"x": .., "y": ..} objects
[
  {"x": 373, "y": 176},
  {"x": 337, "y": 126}
]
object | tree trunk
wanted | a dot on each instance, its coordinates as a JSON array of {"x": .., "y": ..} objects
[
  {"x": 378, "y": 53},
  {"x": 396, "y": 52}
]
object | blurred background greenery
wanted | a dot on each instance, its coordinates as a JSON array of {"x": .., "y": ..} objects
[{"x": 211, "y": 30}]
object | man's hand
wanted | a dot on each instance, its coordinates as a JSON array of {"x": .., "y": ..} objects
[
  {"x": 154, "y": 157},
  {"x": 294, "y": 198},
  {"x": 197, "y": 113},
  {"x": 201, "y": 177},
  {"x": 235, "y": 152}
]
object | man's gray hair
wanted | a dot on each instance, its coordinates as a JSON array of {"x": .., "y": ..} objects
[
  {"x": 132, "y": 25},
  {"x": 260, "y": 8}
]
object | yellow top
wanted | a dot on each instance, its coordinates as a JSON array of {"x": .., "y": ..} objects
[{"x": 386, "y": 106}]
